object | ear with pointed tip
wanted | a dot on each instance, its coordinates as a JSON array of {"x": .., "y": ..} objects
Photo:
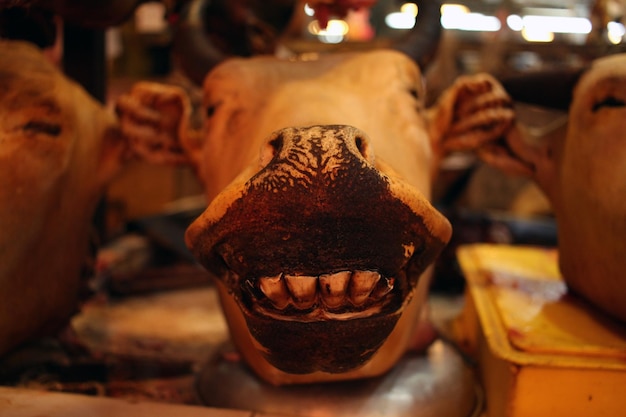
[
  {"x": 155, "y": 120},
  {"x": 471, "y": 113}
]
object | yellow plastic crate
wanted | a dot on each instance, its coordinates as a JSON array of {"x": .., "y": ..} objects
[{"x": 540, "y": 351}]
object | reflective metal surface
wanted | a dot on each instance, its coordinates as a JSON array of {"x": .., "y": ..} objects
[{"x": 438, "y": 383}]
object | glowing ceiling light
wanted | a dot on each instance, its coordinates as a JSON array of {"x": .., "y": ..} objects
[
  {"x": 409, "y": 8},
  {"x": 537, "y": 35},
  {"x": 308, "y": 10},
  {"x": 515, "y": 22},
  {"x": 458, "y": 16},
  {"x": 400, "y": 20},
  {"x": 615, "y": 32},
  {"x": 404, "y": 19},
  {"x": 470, "y": 22},
  {"x": 334, "y": 32},
  {"x": 557, "y": 24},
  {"x": 453, "y": 9},
  {"x": 334, "y": 27},
  {"x": 330, "y": 38}
]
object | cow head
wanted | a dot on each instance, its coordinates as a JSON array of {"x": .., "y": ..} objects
[
  {"x": 583, "y": 172},
  {"x": 320, "y": 229},
  {"x": 319, "y": 249},
  {"x": 58, "y": 148}
]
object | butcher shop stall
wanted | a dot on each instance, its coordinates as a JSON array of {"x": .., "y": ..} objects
[{"x": 306, "y": 209}]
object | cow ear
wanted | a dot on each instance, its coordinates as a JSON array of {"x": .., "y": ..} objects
[
  {"x": 474, "y": 111},
  {"x": 154, "y": 119}
]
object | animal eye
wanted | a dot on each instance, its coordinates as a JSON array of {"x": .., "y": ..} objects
[
  {"x": 414, "y": 93},
  {"x": 47, "y": 128},
  {"x": 609, "y": 101}
]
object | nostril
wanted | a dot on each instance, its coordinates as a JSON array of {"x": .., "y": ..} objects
[
  {"x": 270, "y": 149},
  {"x": 276, "y": 144},
  {"x": 362, "y": 144},
  {"x": 359, "y": 143}
]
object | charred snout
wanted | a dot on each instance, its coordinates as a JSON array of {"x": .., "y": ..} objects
[
  {"x": 313, "y": 158},
  {"x": 318, "y": 205},
  {"x": 333, "y": 145},
  {"x": 317, "y": 238}
]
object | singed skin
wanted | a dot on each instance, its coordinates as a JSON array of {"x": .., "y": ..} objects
[
  {"x": 58, "y": 149},
  {"x": 388, "y": 106},
  {"x": 317, "y": 171}
]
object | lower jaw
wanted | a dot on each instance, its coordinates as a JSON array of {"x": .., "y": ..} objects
[
  {"x": 257, "y": 356},
  {"x": 332, "y": 346}
]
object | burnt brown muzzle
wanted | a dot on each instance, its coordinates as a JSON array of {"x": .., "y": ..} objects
[{"x": 320, "y": 248}]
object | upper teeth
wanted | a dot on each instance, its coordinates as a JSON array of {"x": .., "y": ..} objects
[
  {"x": 333, "y": 290},
  {"x": 303, "y": 289},
  {"x": 362, "y": 284}
]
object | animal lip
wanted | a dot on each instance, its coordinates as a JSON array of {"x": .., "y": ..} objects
[{"x": 332, "y": 322}]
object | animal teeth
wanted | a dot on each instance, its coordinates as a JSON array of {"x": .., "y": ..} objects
[
  {"x": 304, "y": 290},
  {"x": 331, "y": 291},
  {"x": 383, "y": 288},
  {"x": 361, "y": 286},
  {"x": 334, "y": 287},
  {"x": 274, "y": 288}
]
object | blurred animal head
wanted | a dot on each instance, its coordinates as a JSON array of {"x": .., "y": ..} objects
[
  {"x": 583, "y": 172},
  {"x": 58, "y": 149}
]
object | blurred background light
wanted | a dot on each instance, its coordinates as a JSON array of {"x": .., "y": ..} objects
[
  {"x": 515, "y": 22},
  {"x": 470, "y": 22},
  {"x": 537, "y": 35},
  {"x": 308, "y": 10},
  {"x": 557, "y": 24},
  {"x": 404, "y": 19},
  {"x": 334, "y": 33},
  {"x": 615, "y": 32}
]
